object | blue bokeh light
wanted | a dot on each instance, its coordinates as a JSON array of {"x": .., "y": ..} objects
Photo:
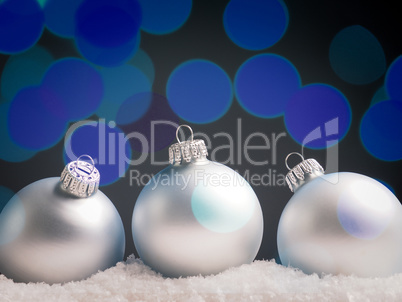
[
  {"x": 142, "y": 61},
  {"x": 25, "y": 69},
  {"x": 21, "y": 25},
  {"x": 10, "y": 151},
  {"x": 157, "y": 126},
  {"x": 199, "y": 91},
  {"x": 107, "y": 56},
  {"x": 356, "y": 56},
  {"x": 393, "y": 79},
  {"x": 256, "y": 24},
  {"x": 105, "y": 143},
  {"x": 163, "y": 16},
  {"x": 120, "y": 84},
  {"x": 133, "y": 108},
  {"x": 264, "y": 84},
  {"x": 318, "y": 116},
  {"x": 60, "y": 16},
  {"x": 380, "y": 95},
  {"x": 107, "y": 31},
  {"x": 381, "y": 130},
  {"x": 77, "y": 84},
  {"x": 37, "y": 118},
  {"x": 5, "y": 195}
]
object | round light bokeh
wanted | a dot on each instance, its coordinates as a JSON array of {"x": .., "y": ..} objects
[
  {"x": 164, "y": 16},
  {"x": 106, "y": 31},
  {"x": 156, "y": 129},
  {"x": 60, "y": 16},
  {"x": 24, "y": 69},
  {"x": 381, "y": 130},
  {"x": 23, "y": 27},
  {"x": 393, "y": 79},
  {"x": 121, "y": 83},
  {"x": 77, "y": 84},
  {"x": 9, "y": 150},
  {"x": 264, "y": 84},
  {"x": 255, "y": 25},
  {"x": 356, "y": 55},
  {"x": 37, "y": 118},
  {"x": 199, "y": 91},
  {"x": 380, "y": 95},
  {"x": 318, "y": 116},
  {"x": 143, "y": 61}
]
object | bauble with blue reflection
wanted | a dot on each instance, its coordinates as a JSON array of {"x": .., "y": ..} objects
[
  {"x": 340, "y": 223},
  {"x": 60, "y": 229},
  {"x": 196, "y": 217}
]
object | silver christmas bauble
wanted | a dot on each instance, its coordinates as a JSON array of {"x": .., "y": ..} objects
[
  {"x": 57, "y": 232},
  {"x": 340, "y": 223},
  {"x": 196, "y": 216}
]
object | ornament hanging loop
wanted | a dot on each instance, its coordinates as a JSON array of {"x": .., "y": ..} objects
[
  {"x": 188, "y": 150},
  {"x": 83, "y": 168},
  {"x": 177, "y": 133},
  {"x": 290, "y": 154}
]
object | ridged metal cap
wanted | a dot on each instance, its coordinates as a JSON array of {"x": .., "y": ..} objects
[
  {"x": 186, "y": 151},
  {"x": 303, "y": 172},
  {"x": 80, "y": 178}
]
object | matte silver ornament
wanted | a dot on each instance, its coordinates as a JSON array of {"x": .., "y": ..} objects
[
  {"x": 49, "y": 234},
  {"x": 340, "y": 223},
  {"x": 196, "y": 216}
]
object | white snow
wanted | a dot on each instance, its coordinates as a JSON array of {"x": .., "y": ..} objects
[{"x": 260, "y": 281}]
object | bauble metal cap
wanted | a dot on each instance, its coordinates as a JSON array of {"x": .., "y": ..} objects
[
  {"x": 302, "y": 172},
  {"x": 80, "y": 178},
  {"x": 186, "y": 151}
]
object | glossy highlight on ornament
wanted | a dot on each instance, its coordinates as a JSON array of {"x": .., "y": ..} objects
[
  {"x": 196, "y": 216},
  {"x": 53, "y": 231},
  {"x": 340, "y": 223}
]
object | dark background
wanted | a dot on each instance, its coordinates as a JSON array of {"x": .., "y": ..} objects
[{"x": 312, "y": 26}]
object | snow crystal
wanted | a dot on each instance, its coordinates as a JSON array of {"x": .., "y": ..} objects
[{"x": 260, "y": 281}]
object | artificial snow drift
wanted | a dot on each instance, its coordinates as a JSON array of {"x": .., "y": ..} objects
[{"x": 259, "y": 281}]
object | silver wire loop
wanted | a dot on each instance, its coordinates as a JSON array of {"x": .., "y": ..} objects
[
  {"x": 177, "y": 132},
  {"x": 92, "y": 161},
  {"x": 287, "y": 157}
]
